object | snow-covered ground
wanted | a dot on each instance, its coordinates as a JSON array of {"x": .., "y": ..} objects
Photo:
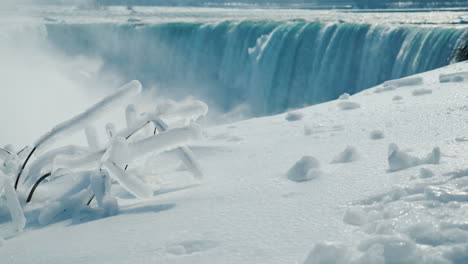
[{"x": 355, "y": 198}]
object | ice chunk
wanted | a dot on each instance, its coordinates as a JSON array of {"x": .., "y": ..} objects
[
  {"x": 398, "y": 160},
  {"x": 348, "y": 105},
  {"x": 84, "y": 119},
  {"x": 409, "y": 81},
  {"x": 344, "y": 96},
  {"x": 453, "y": 77},
  {"x": 327, "y": 253},
  {"x": 348, "y": 155},
  {"x": 446, "y": 194},
  {"x": 129, "y": 182},
  {"x": 294, "y": 116},
  {"x": 395, "y": 249},
  {"x": 422, "y": 91},
  {"x": 307, "y": 130},
  {"x": 355, "y": 216},
  {"x": 397, "y": 98},
  {"x": 13, "y": 204},
  {"x": 377, "y": 134},
  {"x": 305, "y": 169},
  {"x": 458, "y": 254}
]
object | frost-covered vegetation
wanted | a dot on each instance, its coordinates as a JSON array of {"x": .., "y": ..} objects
[{"x": 87, "y": 173}]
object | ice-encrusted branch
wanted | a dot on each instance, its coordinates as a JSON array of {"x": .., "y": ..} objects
[
  {"x": 91, "y": 170},
  {"x": 82, "y": 120}
]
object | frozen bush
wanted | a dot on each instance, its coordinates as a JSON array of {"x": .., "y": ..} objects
[{"x": 91, "y": 170}]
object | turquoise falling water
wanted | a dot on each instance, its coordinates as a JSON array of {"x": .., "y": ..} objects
[{"x": 270, "y": 66}]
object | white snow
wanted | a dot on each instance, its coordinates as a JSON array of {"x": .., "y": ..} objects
[{"x": 257, "y": 202}]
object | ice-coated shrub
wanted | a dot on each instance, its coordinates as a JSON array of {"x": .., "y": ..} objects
[{"x": 91, "y": 170}]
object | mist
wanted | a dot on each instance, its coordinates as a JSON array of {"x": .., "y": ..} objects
[{"x": 40, "y": 86}]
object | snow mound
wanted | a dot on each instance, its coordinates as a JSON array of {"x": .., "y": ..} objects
[
  {"x": 294, "y": 116},
  {"x": 397, "y": 98},
  {"x": 308, "y": 130},
  {"x": 305, "y": 169},
  {"x": 423, "y": 223},
  {"x": 453, "y": 77},
  {"x": 355, "y": 216},
  {"x": 409, "y": 81},
  {"x": 344, "y": 96},
  {"x": 348, "y": 105},
  {"x": 327, "y": 253},
  {"x": 399, "y": 160},
  {"x": 349, "y": 154},
  {"x": 377, "y": 134},
  {"x": 422, "y": 91}
]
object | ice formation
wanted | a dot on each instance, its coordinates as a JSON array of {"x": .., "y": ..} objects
[{"x": 90, "y": 171}]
